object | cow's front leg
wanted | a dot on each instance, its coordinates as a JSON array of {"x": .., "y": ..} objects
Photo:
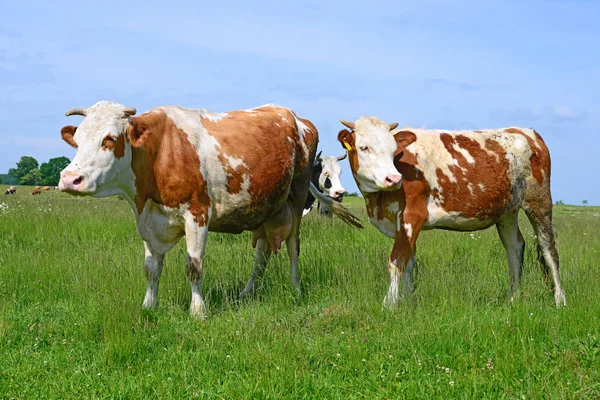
[
  {"x": 195, "y": 238},
  {"x": 153, "y": 265},
  {"x": 402, "y": 260}
]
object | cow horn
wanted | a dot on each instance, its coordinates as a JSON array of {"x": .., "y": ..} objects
[
  {"x": 340, "y": 158},
  {"x": 319, "y": 159},
  {"x": 347, "y": 124},
  {"x": 393, "y": 126},
  {"x": 76, "y": 111},
  {"x": 129, "y": 111}
]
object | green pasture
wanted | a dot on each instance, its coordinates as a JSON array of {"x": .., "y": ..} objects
[{"x": 71, "y": 323}]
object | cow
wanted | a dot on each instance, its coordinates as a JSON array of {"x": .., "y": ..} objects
[
  {"x": 186, "y": 172},
  {"x": 417, "y": 179},
  {"x": 36, "y": 192},
  {"x": 11, "y": 190},
  {"x": 325, "y": 176},
  {"x": 38, "y": 187},
  {"x": 46, "y": 188}
]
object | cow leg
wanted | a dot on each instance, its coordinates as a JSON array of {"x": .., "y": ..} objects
[
  {"x": 514, "y": 244},
  {"x": 258, "y": 269},
  {"x": 402, "y": 260},
  {"x": 195, "y": 239},
  {"x": 153, "y": 266},
  {"x": 293, "y": 248},
  {"x": 542, "y": 224}
]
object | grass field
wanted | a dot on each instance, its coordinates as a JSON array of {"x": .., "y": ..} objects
[{"x": 71, "y": 323}]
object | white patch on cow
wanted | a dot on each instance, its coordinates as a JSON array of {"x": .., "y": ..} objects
[
  {"x": 283, "y": 117},
  {"x": 482, "y": 187},
  {"x": 212, "y": 116},
  {"x": 277, "y": 124},
  {"x": 471, "y": 188},
  {"x": 393, "y": 207},
  {"x": 464, "y": 152},
  {"x": 408, "y": 230},
  {"x": 234, "y": 162}
]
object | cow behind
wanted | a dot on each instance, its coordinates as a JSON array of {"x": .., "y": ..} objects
[
  {"x": 186, "y": 172},
  {"x": 326, "y": 173},
  {"x": 415, "y": 179},
  {"x": 36, "y": 192}
]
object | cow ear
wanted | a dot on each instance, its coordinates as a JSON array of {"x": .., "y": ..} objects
[
  {"x": 404, "y": 139},
  {"x": 137, "y": 132},
  {"x": 346, "y": 138},
  {"x": 67, "y": 134}
]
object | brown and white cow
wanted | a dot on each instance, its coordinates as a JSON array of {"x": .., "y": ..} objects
[
  {"x": 36, "y": 192},
  {"x": 46, "y": 188},
  {"x": 186, "y": 172},
  {"x": 11, "y": 190},
  {"x": 415, "y": 179}
]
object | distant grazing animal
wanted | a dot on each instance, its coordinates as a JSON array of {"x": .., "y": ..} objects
[
  {"x": 38, "y": 187},
  {"x": 36, "y": 192},
  {"x": 11, "y": 190},
  {"x": 414, "y": 179},
  {"x": 186, "y": 172},
  {"x": 46, "y": 188},
  {"x": 326, "y": 174}
]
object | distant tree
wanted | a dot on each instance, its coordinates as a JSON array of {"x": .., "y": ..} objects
[
  {"x": 0, "y": 179},
  {"x": 560, "y": 203},
  {"x": 51, "y": 170},
  {"x": 33, "y": 177},
  {"x": 584, "y": 202},
  {"x": 25, "y": 166}
]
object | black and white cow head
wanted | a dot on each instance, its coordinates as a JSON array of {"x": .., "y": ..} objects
[{"x": 325, "y": 176}]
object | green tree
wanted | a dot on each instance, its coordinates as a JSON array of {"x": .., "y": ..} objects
[
  {"x": 585, "y": 202},
  {"x": 33, "y": 177},
  {"x": 51, "y": 170},
  {"x": 0, "y": 179},
  {"x": 25, "y": 166}
]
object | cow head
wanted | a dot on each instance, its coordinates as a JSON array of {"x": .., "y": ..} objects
[
  {"x": 329, "y": 173},
  {"x": 103, "y": 156},
  {"x": 371, "y": 146}
]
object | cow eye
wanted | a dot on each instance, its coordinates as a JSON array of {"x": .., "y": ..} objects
[
  {"x": 326, "y": 173},
  {"x": 109, "y": 142},
  {"x": 364, "y": 148}
]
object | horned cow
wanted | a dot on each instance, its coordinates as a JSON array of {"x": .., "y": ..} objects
[
  {"x": 415, "y": 179},
  {"x": 186, "y": 172},
  {"x": 326, "y": 173}
]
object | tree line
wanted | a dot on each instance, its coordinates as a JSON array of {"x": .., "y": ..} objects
[{"x": 29, "y": 172}]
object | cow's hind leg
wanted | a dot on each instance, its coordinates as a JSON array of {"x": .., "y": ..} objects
[
  {"x": 514, "y": 244},
  {"x": 153, "y": 266},
  {"x": 263, "y": 252},
  {"x": 542, "y": 225},
  {"x": 293, "y": 248}
]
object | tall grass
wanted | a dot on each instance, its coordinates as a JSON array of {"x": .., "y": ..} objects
[{"x": 71, "y": 323}]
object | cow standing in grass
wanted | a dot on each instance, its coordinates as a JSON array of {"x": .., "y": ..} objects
[
  {"x": 186, "y": 172},
  {"x": 415, "y": 179},
  {"x": 326, "y": 173},
  {"x": 11, "y": 190},
  {"x": 36, "y": 192}
]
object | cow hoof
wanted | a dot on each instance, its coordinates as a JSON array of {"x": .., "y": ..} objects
[
  {"x": 390, "y": 302},
  {"x": 560, "y": 299},
  {"x": 198, "y": 311}
]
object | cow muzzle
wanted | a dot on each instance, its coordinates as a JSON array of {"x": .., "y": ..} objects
[
  {"x": 392, "y": 181},
  {"x": 71, "y": 183}
]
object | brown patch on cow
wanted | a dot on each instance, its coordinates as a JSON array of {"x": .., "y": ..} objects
[
  {"x": 403, "y": 140},
  {"x": 166, "y": 166},
  {"x": 67, "y": 133},
  {"x": 347, "y": 137},
  {"x": 36, "y": 192},
  {"x": 268, "y": 142},
  {"x": 117, "y": 145},
  {"x": 490, "y": 170}
]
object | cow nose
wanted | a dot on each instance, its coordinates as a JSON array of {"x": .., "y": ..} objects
[
  {"x": 70, "y": 181},
  {"x": 338, "y": 193},
  {"x": 392, "y": 180}
]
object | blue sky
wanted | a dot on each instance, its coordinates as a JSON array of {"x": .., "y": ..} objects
[{"x": 435, "y": 64}]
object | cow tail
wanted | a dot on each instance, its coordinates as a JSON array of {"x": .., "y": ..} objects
[{"x": 336, "y": 208}]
